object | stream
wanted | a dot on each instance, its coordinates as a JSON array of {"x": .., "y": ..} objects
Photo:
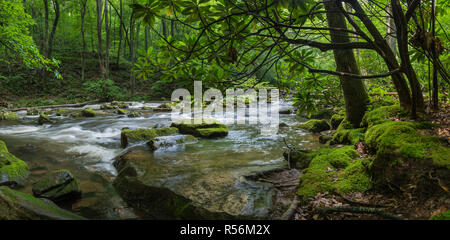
[{"x": 87, "y": 147}]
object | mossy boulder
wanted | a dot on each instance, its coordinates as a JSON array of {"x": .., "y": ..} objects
[
  {"x": 134, "y": 114},
  {"x": 297, "y": 158},
  {"x": 336, "y": 120},
  {"x": 15, "y": 205},
  {"x": 121, "y": 111},
  {"x": 441, "y": 216},
  {"x": 62, "y": 112},
  {"x": 32, "y": 112},
  {"x": 346, "y": 134},
  {"x": 163, "y": 108},
  {"x": 144, "y": 134},
  {"x": 5, "y": 115},
  {"x": 146, "y": 108},
  {"x": 334, "y": 169},
  {"x": 43, "y": 118},
  {"x": 315, "y": 126},
  {"x": 382, "y": 114},
  {"x": 205, "y": 128},
  {"x": 12, "y": 169},
  {"x": 57, "y": 186},
  {"x": 404, "y": 158},
  {"x": 106, "y": 106},
  {"x": 324, "y": 138},
  {"x": 88, "y": 112}
]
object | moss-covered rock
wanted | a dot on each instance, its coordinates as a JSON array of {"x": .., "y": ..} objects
[
  {"x": 382, "y": 114},
  {"x": 163, "y": 108},
  {"x": 169, "y": 141},
  {"x": 315, "y": 125},
  {"x": 334, "y": 169},
  {"x": 206, "y": 128},
  {"x": 43, "y": 118},
  {"x": 297, "y": 158},
  {"x": 441, "y": 216},
  {"x": 336, "y": 120},
  {"x": 404, "y": 157},
  {"x": 345, "y": 134},
  {"x": 12, "y": 169},
  {"x": 62, "y": 112},
  {"x": 146, "y": 108},
  {"x": 88, "y": 112},
  {"x": 57, "y": 186},
  {"x": 32, "y": 112},
  {"x": 15, "y": 205},
  {"x": 106, "y": 106},
  {"x": 121, "y": 111},
  {"x": 144, "y": 134},
  {"x": 5, "y": 115},
  {"x": 134, "y": 114},
  {"x": 324, "y": 138}
]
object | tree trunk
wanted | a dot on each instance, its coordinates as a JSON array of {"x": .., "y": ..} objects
[
  {"x": 390, "y": 29},
  {"x": 435, "y": 95},
  {"x": 55, "y": 24},
  {"x": 99, "y": 37},
  {"x": 45, "y": 44},
  {"x": 120, "y": 33},
  {"x": 146, "y": 38},
  {"x": 83, "y": 40},
  {"x": 107, "y": 31},
  {"x": 132, "y": 55},
  {"x": 355, "y": 95}
]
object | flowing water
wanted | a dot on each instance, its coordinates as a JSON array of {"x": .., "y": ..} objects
[{"x": 87, "y": 147}]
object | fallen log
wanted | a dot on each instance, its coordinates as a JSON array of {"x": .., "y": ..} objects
[{"x": 56, "y": 106}]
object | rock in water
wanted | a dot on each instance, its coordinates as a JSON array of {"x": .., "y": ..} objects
[
  {"x": 15, "y": 205},
  {"x": 57, "y": 186},
  {"x": 12, "y": 169},
  {"x": 5, "y": 115},
  {"x": 169, "y": 141},
  {"x": 43, "y": 118},
  {"x": 32, "y": 111},
  {"x": 315, "y": 125},
  {"x": 121, "y": 111},
  {"x": 88, "y": 112},
  {"x": 191, "y": 190},
  {"x": 143, "y": 134},
  {"x": 207, "y": 128}
]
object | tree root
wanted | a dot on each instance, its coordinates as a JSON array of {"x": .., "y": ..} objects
[
  {"x": 362, "y": 210},
  {"x": 289, "y": 214}
]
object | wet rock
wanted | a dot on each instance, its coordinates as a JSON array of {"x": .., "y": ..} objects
[
  {"x": 146, "y": 108},
  {"x": 106, "y": 106},
  {"x": 286, "y": 111},
  {"x": 62, "y": 112},
  {"x": 183, "y": 191},
  {"x": 144, "y": 134},
  {"x": 324, "y": 138},
  {"x": 121, "y": 111},
  {"x": 57, "y": 186},
  {"x": 315, "y": 125},
  {"x": 5, "y": 115},
  {"x": 134, "y": 114},
  {"x": 336, "y": 119},
  {"x": 297, "y": 158},
  {"x": 88, "y": 112},
  {"x": 15, "y": 205},
  {"x": 43, "y": 118},
  {"x": 12, "y": 169},
  {"x": 283, "y": 125},
  {"x": 32, "y": 112},
  {"x": 169, "y": 141},
  {"x": 163, "y": 108},
  {"x": 207, "y": 128}
]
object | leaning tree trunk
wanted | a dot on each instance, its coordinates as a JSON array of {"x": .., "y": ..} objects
[{"x": 355, "y": 95}]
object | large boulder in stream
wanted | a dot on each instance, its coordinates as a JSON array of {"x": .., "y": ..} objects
[
  {"x": 59, "y": 185},
  {"x": 144, "y": 134},
  {"x": 205, "y": 128},
  {"x": 15, "y": 205},
  {"x": 191, "y": 189},
  {"x": 88, "y": 112},
  {"x": 12, "y": 170}
]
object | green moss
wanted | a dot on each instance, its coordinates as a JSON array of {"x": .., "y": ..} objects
[
  {"x": 12, "y": 169},
  {"x": 5, "y": 115},
  {"x": 144, "y": 134},
  {"x": 62, "y": 112},
  {"x": 397, "y": 141},
  {"x": 333, "y": 169},
  {"x": 43, "y": 118},
  {"x": 134, "y": 114},
  {"x": 88, "y": 112},
  {"x": 206, "y": 128},
  {"x": 381, "y": 114},
  {"x": 121, "y": 111},
  {"x": 32, "y": 112},
  {"x": 315, "y": 125},
  {"x": 57, "y": 185},
  {"x": 441, "y": 216},
  {"x": 336, "y": 120},
  {"x": 346, "y": 135}
]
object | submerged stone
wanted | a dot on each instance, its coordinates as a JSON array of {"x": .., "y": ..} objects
[
  {"x": 57, "y": 186},
  {"x": 315, "y": 125},
  {"x": 15, "y": 205},
  {"x": 207, "y": 128},
  {"x": 12, "y": 169},
  {"x": 144, "y": 134}
]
